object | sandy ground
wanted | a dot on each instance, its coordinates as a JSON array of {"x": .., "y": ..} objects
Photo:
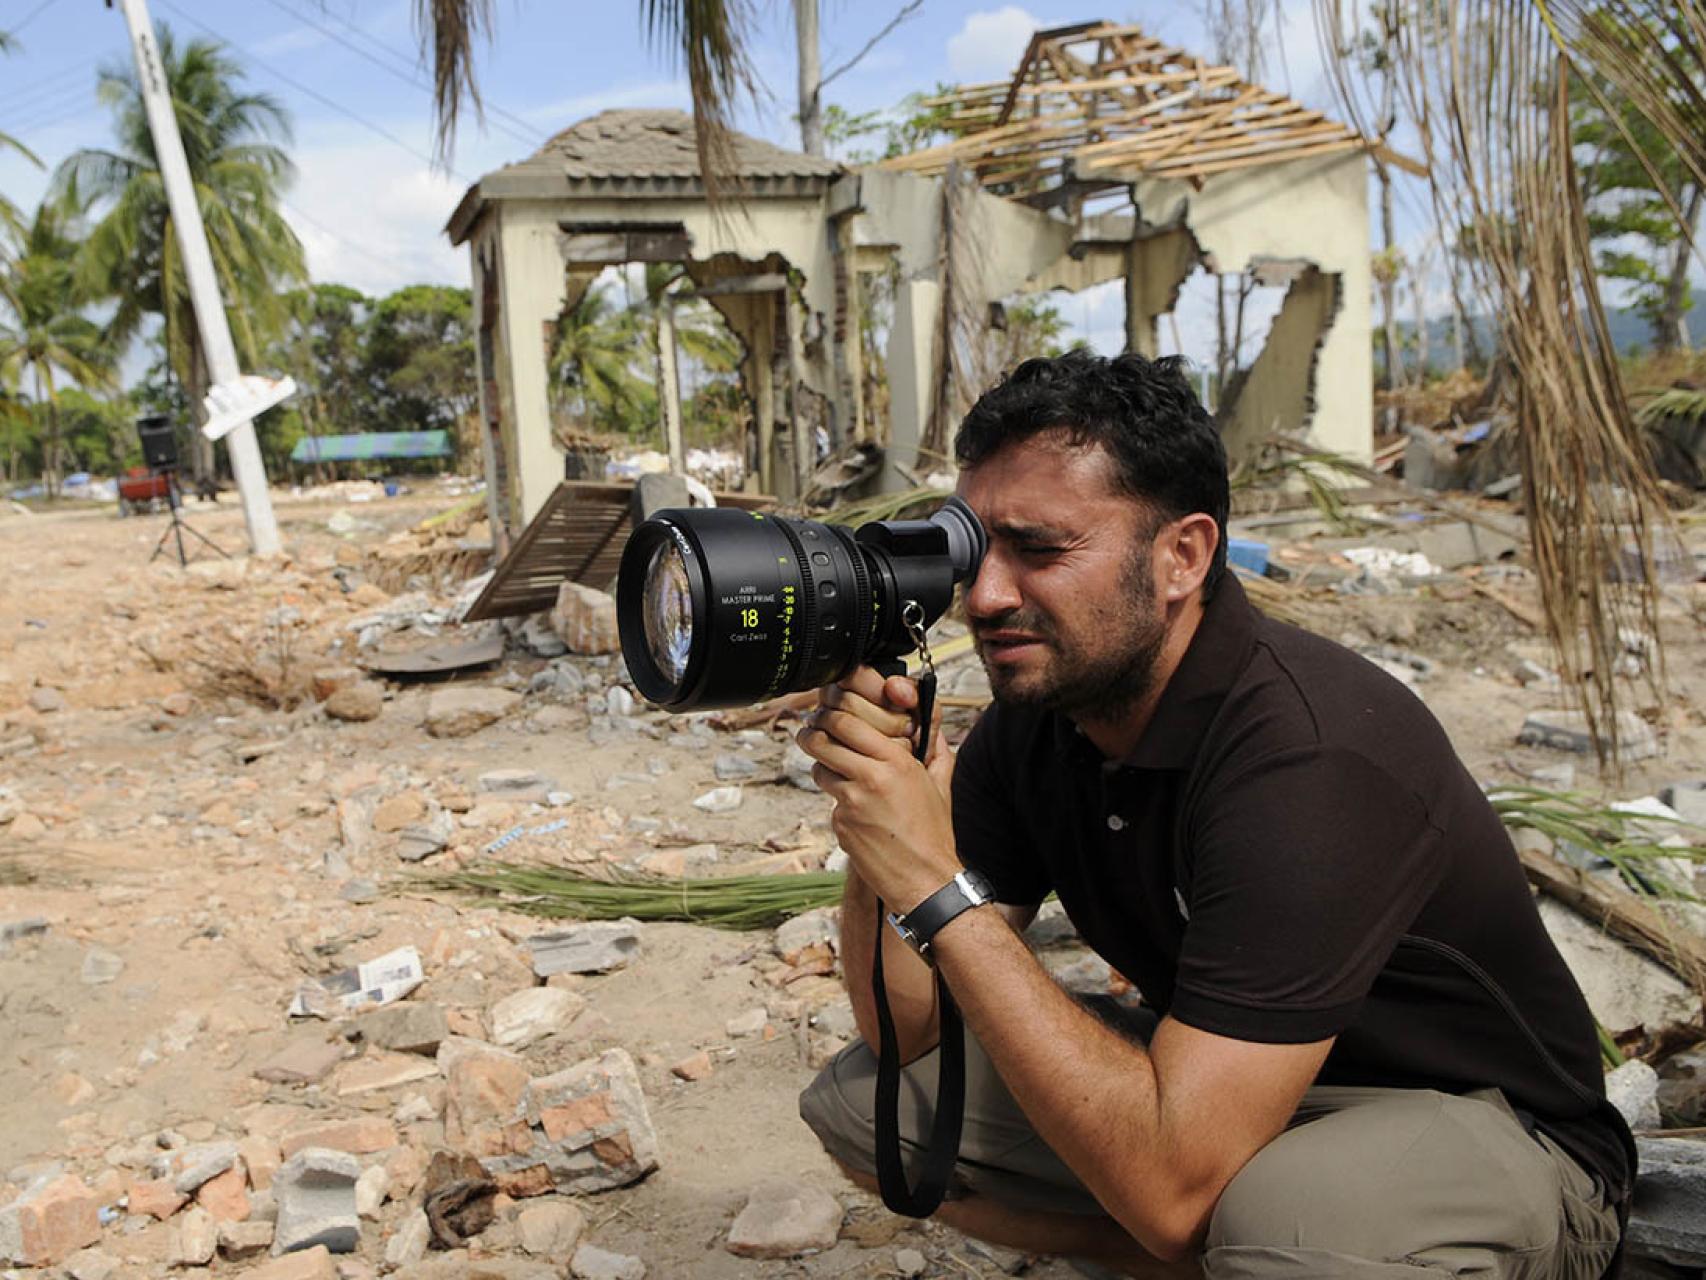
[{"x": 210, "y": 843}]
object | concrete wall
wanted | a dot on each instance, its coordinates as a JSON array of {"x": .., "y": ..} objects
[{"x": 1315, "y": 210}]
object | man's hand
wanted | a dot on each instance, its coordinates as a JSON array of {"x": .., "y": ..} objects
[{"x": 891, "y": 812}]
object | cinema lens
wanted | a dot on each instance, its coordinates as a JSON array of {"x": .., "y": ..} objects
[{"x": 723, "y": 608}]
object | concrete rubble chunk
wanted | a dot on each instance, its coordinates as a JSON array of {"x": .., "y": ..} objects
[
  {"x": 226, "y": 1196},
  {"x": 797, "y": 765},
  {"x": 245, "y": 1239},
  {"x": 483, "y": 1090},
  {"x": 550, "y": 1228},
  {"x": 357, "y": 702},
  {"x": 409, "y": 1242},
  {"x": 719, "y": 799},
  {"x": 309, "y": 1264},
  {"x": 582, "y": 1129},
  {"x": 532, "y": 1014},
  {"x": 596, "y": 947},
  {"x": 731, "y": 766},
  {"x": 592, "y": 1263},
  {"x": 1567, "y": 730},
  {"x": 526, "y": 786},
  {"x": 158, "y": 1198},
  {"x": 820, "y": 925},
  {"x": 750, "y": 1023},
  {"x": 1623, "y": 987},
  {"x": 381, "y": 1070},
  {"x": 370, "y": 1191},
  {"x": 203, "y": 1163},
  {"x": 909, "y": 1262},
  {"x": 1633, "y": 1089},
  {"x": 408, "y": 1026},
  {"x": 1668, "y": 1221},
  {"x": 196, "y": 1239},
  {"x": 585, "y": 619},
  {"x": 785, "y": 1220},
  {"x": 462, "y": 710},
  {"x": 420, "y": 840},
  {"x": 48, "y": 1223},
  {"x": 315, "y": 1192}
]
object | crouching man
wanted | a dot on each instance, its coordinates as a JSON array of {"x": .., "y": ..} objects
[{"x": 1359, "y": 1054}]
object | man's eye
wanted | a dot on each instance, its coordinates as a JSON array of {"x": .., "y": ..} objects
[{"x": 1039, "y": 549}]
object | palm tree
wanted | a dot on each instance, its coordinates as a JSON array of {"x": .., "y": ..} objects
[
  {"x": 11, "y": 221},
  {"x": 238, "y": 171},
  {"x": 43, "y": 331},
  {"x": 596, "y": 358}
]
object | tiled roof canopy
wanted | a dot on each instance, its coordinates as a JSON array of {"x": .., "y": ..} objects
[{"x": 653, "y": 143}]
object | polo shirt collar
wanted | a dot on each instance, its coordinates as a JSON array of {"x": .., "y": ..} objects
[{"x": 1212, "y": 664}]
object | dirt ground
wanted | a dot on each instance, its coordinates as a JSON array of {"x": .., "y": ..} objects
[{"x": 156, "y": 809}]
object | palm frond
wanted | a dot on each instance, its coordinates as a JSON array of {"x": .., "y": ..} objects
[{"x": 709, "y": 37}]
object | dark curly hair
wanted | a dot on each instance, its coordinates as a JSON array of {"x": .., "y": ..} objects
[{"x": 1165, "y": 447}]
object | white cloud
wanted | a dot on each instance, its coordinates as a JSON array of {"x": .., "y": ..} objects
[
  {"x": 989, "y": 43},
  {"x": 371, "y": 216}
]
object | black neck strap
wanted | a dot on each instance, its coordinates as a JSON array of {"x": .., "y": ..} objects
[{"x": 944, "y": 1149}]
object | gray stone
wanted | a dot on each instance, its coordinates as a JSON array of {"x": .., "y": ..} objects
[
  {"x": 370, "y": 1191},
  {"x": 47, "y": 699},
  {"x": 421, "y": 840},
  {"x": 203, "y": 1163},
  {"x": 196, "y": 1238},
  {"x": 530, "y": 1015},
  {"x": 1669, "y": 1218},
  {"x": 101, "y": 966},
  {"x": 750, "y": 1023},
  {"x": 797, "y": 765},
  {"x": 550, "y": 1228},
  {"x": 785, "y": 1220},
  {"x": 524, "y": 785},
  {"x": 28, "y": 927},
  {"x": 1623, "y": 987},
  {"x": 909, "y": 1262},
  {"x": 540, "y": 639},
  {"x": 408, "y": 1026},
  {"x": 618, "y": 702},
  {"x": 409, "y": 1243},
  {"x": 315, "y": 1192},
  {"x": 734, "y": 767},
  {"x": 587, "y": 1125},
  {"x": 725, "y": 799},
  {"x": 358, "y": 702},
  {"x": 1682, "y": 1088},
  {"x": 461, "y": 710},
  {"x": 359, "y": 891},
  {"x": 304, "y": 1060},
  {"x": 596, "y": 947},
  {"x": 1051, "y": 928},
  {"x": 1633, "y": 1089},
  {"x": 836, "y": 1019},
  {"x": 1567, "y": 730},
  {"x": 592, "y": 1263}
]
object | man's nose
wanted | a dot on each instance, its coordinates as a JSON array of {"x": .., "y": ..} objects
[{"x": 993, "y": 592}]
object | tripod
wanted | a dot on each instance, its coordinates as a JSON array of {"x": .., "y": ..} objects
[{"x": 179, "y": 526}]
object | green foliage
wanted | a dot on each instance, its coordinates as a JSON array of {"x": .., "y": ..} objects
[
  {"x": 238, "y": 169},
  {"x": 46, "y": 339},
  {"x": 909, "y": 126},
  {"x": 1630, "y": 172},
  {"x": 599, "y": 366}
]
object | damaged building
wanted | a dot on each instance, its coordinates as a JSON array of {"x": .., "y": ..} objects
[{"x": 1109, "y": 155}]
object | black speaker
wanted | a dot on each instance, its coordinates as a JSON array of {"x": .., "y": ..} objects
[{"x": 159, "y": 441}]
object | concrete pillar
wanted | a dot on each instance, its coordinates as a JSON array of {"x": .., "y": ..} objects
[
  {"x": 846, "y": 338},
  {"x": 669, "y": 387},
  {"x": 532, "y": 298},
  {"x": 800, "y": 433},
  {"x": 912, "y": 377}
]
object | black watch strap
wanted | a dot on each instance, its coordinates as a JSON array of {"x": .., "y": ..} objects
[{"x": 919, "y": 926}]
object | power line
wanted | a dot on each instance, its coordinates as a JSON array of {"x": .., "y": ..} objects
[
  {"x": 325, "y": 230},
  {"x": 532, "y": 136},
  {"x": 47, "y": 86},
  {"x": 315, "y": 94},
  {"x": 49, "y": 104},
  {"x": 30, "y": 17}
]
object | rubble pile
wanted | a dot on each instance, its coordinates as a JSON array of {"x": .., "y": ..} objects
[{"x": 242, "y": 1039}]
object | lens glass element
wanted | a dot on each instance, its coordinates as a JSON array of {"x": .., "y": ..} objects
[{"x": 668, "y": 604}]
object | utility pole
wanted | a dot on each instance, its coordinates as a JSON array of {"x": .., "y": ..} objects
[
  {"x": 246, "y": 464},
  {"x": 811, "y": 77}
]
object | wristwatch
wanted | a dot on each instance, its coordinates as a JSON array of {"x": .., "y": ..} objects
[{"x": 917, "y": 927}]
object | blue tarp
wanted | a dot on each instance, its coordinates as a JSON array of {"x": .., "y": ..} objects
[{"x": 362, "y": 445}]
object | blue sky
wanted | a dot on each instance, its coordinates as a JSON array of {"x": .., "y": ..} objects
[{"x": 368, "y": 204}]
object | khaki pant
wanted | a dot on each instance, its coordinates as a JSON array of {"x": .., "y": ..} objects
[{"x": 1398, "y": 1183}]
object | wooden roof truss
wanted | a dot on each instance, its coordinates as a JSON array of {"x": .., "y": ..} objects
[{"x": 1095, "y": 105}]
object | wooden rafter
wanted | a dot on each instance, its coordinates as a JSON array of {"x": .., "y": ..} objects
[{"x": 1134, "y": 106}]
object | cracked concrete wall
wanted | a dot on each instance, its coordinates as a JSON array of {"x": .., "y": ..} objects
[{"x": 1310, "y": 210}]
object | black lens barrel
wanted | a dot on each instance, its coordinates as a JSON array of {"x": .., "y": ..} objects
[{"x": 780, "y": 605}]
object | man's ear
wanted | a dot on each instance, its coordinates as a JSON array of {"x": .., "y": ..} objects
[{"x": 1184, "y": 551}]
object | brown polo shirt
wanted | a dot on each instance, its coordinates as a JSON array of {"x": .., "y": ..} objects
[{"x": 1294, "y": 851}]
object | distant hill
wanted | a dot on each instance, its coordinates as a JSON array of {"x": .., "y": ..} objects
[{"x": 1630, "y": 334}]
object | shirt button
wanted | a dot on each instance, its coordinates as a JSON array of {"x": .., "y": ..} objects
[{"x": 1115, "y": 822}]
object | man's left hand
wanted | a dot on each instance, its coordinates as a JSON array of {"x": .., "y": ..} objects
[{"x": 891, "y": 813}]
